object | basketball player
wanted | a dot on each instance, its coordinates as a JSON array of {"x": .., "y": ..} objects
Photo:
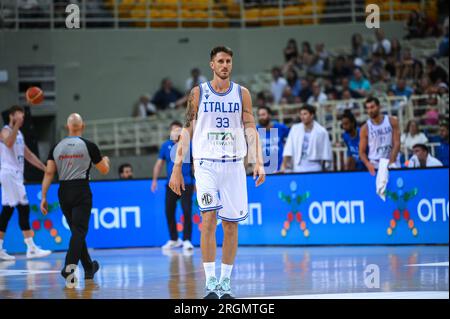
[
  {"x": 217, "y": 114},
  {"x": 72, "y": 158},
  {"x": 381, "y": 134},
  {"x": 13, "y": 152}
]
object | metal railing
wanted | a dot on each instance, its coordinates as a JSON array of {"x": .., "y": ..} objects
[
  {"x": 134, "y": 135},
  {"x": 51, "y": 14}
]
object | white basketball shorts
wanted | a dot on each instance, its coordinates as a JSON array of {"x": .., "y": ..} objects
[
  {"x": 222, "y": 187},
  {"x": 13, "y": 190}
]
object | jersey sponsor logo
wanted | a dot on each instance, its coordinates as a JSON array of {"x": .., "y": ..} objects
[
  {"x": 63, "y": 156},
  {"x": 206, "y": 199},
  {"x": 221, "y": 138}
]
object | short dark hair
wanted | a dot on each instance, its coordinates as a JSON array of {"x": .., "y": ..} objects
[
  {"x": 349, "y": 115},
  {"x": 265, "y": 108},
  {"x": 408, "y": 125},
  {"x": 311, "y": 109},
  {"x": 422, "y": 146},
  {"x": 219, "y": 49},
  {"x": 16, "y": 108},
  {"x": 177, "y": 123},
  {"x": 431, "y": 61},
  {"x": 371, "y": 99},
  {"x": 123, "y": 166}
]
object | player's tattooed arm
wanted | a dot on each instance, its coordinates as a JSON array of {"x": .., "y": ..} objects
[
  {"x": 176, "y": 182},
  {"x": 190, "y": 118},
  {"x": 251, "y": 134},
  {"x": 192, "y": 108}
]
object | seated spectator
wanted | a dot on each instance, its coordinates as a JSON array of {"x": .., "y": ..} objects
[
  {"x": 351, "y": 140},
  {"x": 330, "y": 89},
  {"x": 442, "y": 88},
  {"x": 294, "y": 83},
  {"x": 416, "y": 25},
  {"x": 401, "y": 89},
  {"x": 305, "y": 91},
  {"x": 291, "y": 51},
  {"x": 317, "y": 95},
  {"x": 347, "y": 102},
  {"x": 340, "y": 70},
  {"x": 443, "y": 45},
  {"x": 396, "y": 104},
  {"x": 431, "y": 116},
  {"x": 390, "y": 67},
  {"x": 424, "y": 86},
  {"x": 278, "y": 85},
  {"x": 359, "y": 83},
  {"x": 396, "y": 49},
  {"x": 319, "y": 62},
  {"x": 435, "y": 72},
  {"x": 308, "y": 146},
  {"x": 412, "y": 136},
  {"x": 272, "y": 136},
  {"x": 261, "y": 100},
  {"x": 422, "y": 158},
  {"x": 381, "y": 43},
  {"x": 345, "y": 86},
  {"x": 376, "y": 68},
  {"x": 144, "y": 107},
  {"x": 167, "y": 96},
  {"x": 409, "y": 67},
  {"x": 359, "y": 48},
  {"x": 126, "y": 171},
  {"x": 195, "y": 79},
  {"x": 442, "y": 151}
]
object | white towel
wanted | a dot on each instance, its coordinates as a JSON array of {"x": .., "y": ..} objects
[
  {"x": 319, "y": 146},
  {"x": 382, "y": 178}
]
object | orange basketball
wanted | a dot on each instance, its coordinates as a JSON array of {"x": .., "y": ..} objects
[{"x": 34, "y": 95}]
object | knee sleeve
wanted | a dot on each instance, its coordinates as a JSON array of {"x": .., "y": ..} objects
[
  {"x": 5, "y": 216},
  {"x": 24, "y": 217}
]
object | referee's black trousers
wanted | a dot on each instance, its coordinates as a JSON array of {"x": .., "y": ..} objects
[
  {"x": 75, "y": 199},
  {"x": 186, "y": 205}
]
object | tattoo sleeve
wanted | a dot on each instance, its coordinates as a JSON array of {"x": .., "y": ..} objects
[{"x": 191, "y": 113}]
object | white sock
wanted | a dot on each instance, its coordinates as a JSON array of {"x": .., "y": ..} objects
[
  {"x": 30, "y": 242},
  {"x": 225, "y": 271},
  {"x": 1, "y": 244},
  {"x": 210, "y": 270}
]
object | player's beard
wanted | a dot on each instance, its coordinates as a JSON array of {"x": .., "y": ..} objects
[
  {"x": 264, "y": 122},
  {"x": 374, "y": 115},
  {"x": 222, "y": 77}
]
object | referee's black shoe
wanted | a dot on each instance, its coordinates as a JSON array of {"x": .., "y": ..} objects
[{"x": 89, "y": 274}]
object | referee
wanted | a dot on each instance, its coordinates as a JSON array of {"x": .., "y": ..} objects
[{"x": 72, "y": 158}]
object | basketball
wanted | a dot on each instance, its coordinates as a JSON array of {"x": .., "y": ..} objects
[{"x": 34, "y": 95}]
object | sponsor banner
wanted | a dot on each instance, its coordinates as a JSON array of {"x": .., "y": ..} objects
[{"x": 292, "y": 209}]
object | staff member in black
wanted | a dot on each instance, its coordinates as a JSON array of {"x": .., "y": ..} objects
[{"x": 72, "y": 158}]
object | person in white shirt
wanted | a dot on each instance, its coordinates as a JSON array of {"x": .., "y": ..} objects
[
  {"x": 412, "y": 136},
  {"x": 308, "y": 146},
  {"x": 382, "y": 42},
  {"x": 422, "y": 158},
  {"x": 278, "y": 85},
  {"x": 318, "y": 96},
  {"x": 195, "y": 79},
  {"x": 145, "y": 107}
]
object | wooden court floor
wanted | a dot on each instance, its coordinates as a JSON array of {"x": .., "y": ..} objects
[{"x": 259, "y": 272}]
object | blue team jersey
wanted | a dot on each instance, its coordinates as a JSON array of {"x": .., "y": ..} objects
[
  {"x": 272, "y": 146},
  {"x": 353, "y": 148},
  {"x": 167, "y": 153}
]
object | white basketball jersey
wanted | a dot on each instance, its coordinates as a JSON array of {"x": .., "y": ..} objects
[
  {"x": 13, "y": 158},
  {"x": 219, "y": 131},
  {"x": 379, "y": 140}
]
